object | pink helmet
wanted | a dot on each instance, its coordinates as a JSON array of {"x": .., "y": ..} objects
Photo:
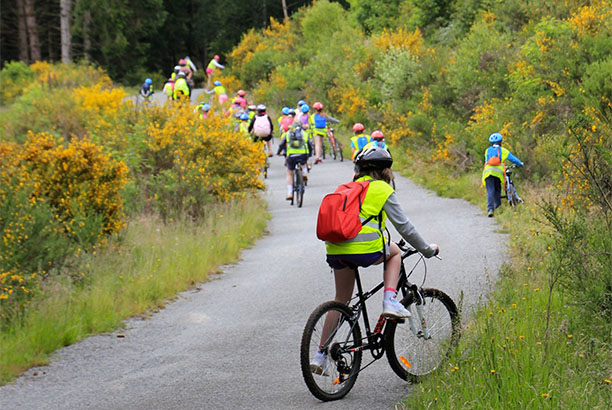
[
  {"x": 358, "y": 127},
  {"x": 317, "y": 106},
  {"x": 377, "y": 135},
  {"x": 241, "y": 93},
  {"x": 216, "y": 57},
  {"x": 182, "y": 61}
]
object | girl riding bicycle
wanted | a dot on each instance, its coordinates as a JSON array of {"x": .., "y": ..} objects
[
  {"x": 297, "y": 147},
  {"x": 369, "y": 246}
]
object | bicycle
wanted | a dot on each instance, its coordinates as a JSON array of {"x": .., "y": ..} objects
[
  {"x": 414, "y": 350},
  {"x": 299, "y": 185},
  {"x": 513, "y": 198},
  {"x": 332, "y": 145}
]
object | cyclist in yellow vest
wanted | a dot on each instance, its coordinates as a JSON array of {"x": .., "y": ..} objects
[
  {"x": 359, "y": 139},
  {"x": 317, "y": 123},
  {"x": 494, "y": 171},
  {"x": 369, "y": 246},
  {"x": 243, "y": 127},
  {"x": 180, "y": 87},
  {"x": 298, "y": 148},
  {"x": 377, "y": 139},
  {"x": 212, "y": 66}
]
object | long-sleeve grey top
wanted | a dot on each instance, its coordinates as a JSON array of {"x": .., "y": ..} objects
[{"x": 400, "y": 221}]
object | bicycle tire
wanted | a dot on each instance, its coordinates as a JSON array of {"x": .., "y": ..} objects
[
  {"x": 346, "y": 334},
  {"x": 411, "y": 355},
  {"x": 299, "y": 179},
  {"x": 339, "y": 149},
  {"x": 512, "y": 200},
  {"x": 332, "y": 147}
]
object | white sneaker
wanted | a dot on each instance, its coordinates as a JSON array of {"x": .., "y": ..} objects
[
  {"x": 318, "y": 364},
  {"x": 393, "y": 308}
]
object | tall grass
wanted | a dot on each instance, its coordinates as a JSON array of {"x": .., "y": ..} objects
[
  {"x": 152, "y": 263},
  {"x": 531, "y": 345}
]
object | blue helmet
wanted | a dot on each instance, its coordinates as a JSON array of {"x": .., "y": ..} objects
[
  {"x": 217, "y": 82},
  {"x": 148, "y": 81},
  {"x": 291, "y": 111},
  {"x": 495, "y": 138},
  {"x": 301, "y": 102},
  {"x": 206, "y": 107},
  {"x": 244, "y": 116},
  {"x": 285, "y": 110},
  {"x": 305, "y": 108}
]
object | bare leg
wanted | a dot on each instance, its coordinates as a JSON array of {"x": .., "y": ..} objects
[
  {"x": 392, "y": 267},
  {"x": 318, "y": 146},
  {"x": 345, "y": 282}
]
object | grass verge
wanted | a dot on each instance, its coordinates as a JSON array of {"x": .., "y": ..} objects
[
  {"x": 530, "y": 345},
  {"x": 152, "y": 263}
]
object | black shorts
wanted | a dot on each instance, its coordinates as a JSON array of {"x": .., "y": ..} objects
[
  {"x": 359, "y": 259},
  {"x": 294, "y": 159}
]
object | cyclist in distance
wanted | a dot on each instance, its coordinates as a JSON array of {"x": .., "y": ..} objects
[
  {"x": 369, "y": 246},
  {"x": 146, "y": 91},
  {"x": 243, "y": 127},
  {"x": 241, "y": 98},
  {"x": 202, "y": 109},
  {"x": 251, "y": 111},
  {"x": 261, "y": 126},
  {"x": 211, "y": 68},
  {"x": 359, "y": 139},
  {"x": 220, "y": 92},
  {"x": 298, "y": 148},
  {"x": 318, "y": 128},
  {"x": 494, "y": 170},
  {"x": 181, "y": 87},
  {"x": 377, "y": 139}
]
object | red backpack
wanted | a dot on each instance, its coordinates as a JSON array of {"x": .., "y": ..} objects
[{"x": 338, "y": 218}]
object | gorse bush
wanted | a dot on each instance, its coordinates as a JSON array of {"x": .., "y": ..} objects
[
  {"x": 57, "y": 201},
  {"x": 74, "y": 148},
  {"x": 194, "y": 162}
]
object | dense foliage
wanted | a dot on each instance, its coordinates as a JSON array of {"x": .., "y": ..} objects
[
  {"x": 438, "y": 81},
  {"x": 76, "y": 154}
]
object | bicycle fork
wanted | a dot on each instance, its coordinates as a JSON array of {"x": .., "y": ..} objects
[{"x": 418, "y": 324}]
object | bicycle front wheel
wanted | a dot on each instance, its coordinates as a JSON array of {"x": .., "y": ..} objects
[
  {"x": 331, "y": 330},
  {"x": 419, "y": 346}
]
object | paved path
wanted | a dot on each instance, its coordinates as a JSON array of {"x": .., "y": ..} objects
[{"x": 233, "y": 343}]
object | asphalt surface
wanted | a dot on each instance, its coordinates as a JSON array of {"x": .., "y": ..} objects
[{"x": 233, "y": 343}]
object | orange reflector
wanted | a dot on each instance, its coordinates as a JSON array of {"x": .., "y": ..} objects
[
  {"x": 336, "y": 381},
  {"x": 406, "y": 362}
]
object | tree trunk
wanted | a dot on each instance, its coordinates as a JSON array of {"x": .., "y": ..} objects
[
  {"x": 22, "y": 34},
  {"x": 285, "y": 11},
  {"x": 32, "y": 29},
  {"x": 66, "y": 36}
]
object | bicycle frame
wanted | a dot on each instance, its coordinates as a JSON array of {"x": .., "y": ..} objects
[{"x": 374, "y": 338}]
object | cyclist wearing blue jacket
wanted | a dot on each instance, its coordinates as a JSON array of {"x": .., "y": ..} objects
[{"x": 494, "y": 171}]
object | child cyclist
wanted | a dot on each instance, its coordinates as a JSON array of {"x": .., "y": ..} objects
[
  {"x": 369, "y": 247},
  {"x": 298, "y": 148}
]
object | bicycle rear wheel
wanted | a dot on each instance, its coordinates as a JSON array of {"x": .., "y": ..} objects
[
  {"x": 341, "y": 366},
  {"x": 299, "y": 187},
  {"x": 415, "y": 350},
  {"x": 339, "y": 150}
]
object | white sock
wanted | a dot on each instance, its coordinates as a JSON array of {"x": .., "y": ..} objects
[
  {"x": 290, "y": 189},
  {"x": 390, "y": 293}
]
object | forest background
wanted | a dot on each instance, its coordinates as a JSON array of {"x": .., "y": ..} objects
[{"x": 437, "y": 76}]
